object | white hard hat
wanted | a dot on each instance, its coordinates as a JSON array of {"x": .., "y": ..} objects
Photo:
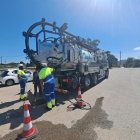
[{"x": 20, "y": 65}]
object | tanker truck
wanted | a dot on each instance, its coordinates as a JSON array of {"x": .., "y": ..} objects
[{"x": 76, "y": 61}]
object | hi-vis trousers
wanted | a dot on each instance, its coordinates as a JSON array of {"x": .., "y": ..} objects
[
  {"x": 22, "y": 88},
  {"x": 49, "y": 93}
]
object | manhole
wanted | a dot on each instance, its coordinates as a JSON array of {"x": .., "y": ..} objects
[
  {"x": 40, "y": 101},
  {"x": 33, "y": 101}
]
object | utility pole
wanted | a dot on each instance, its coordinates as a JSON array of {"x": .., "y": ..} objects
[
  {"x": 120, "y": 58},
  {"x": 5, "y": 64},
  {"x": 1, "y": 60}
]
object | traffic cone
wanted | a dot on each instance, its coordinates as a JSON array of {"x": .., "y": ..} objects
[
  {"x": 79, "y": 101},
  {"x": 28, "y": 130}
]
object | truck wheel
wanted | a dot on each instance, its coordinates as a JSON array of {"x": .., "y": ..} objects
[
  {"x": 74, "y": 84},
  {"x": 94, "y": 79},
  {"x": 87, "y": 82},
  {"x": 82, "y": 83},
  {"x": 106, "y": 73}
]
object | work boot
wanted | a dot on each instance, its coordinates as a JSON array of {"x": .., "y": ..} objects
[
  {"x": 22, "y": 99},
  {"x": 53, "y": 105},
  {"x": 49, "y": 106}
]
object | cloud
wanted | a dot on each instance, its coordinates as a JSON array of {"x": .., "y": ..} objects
[{"x": 137, "y": 49}]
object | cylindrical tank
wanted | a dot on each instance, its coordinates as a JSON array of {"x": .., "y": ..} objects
[
  {"x": 73, "y": 54},
  {"x": 77, "y": 54}
]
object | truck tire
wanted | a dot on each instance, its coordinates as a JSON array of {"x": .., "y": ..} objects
[
  {"x": 106, "y": 73},
  {"x": 94, "y": 79},
  {"x": 82, "y": 82},
  {"x": 87, "y": 81},
  {"x": 74, "y": 84}
]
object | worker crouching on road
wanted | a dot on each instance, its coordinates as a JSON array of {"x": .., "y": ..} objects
[
  {"x": 49, "y": 85},
  {"x": 22, "y": 81}
]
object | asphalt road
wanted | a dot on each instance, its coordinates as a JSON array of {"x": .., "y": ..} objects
[{"x": 115, "y": 112}]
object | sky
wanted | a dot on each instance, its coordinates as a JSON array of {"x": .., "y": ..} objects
[{"x": 116, "y": 23}]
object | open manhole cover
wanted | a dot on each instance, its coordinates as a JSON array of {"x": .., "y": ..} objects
[
  {"x": 40, "y": 101},
  {"x": 33, "y": 101}
]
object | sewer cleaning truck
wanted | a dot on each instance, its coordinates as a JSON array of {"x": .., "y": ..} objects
[{"x": 76, "y": 61}]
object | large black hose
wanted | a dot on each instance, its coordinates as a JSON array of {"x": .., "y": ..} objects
[{"x": 29, "y": 34}]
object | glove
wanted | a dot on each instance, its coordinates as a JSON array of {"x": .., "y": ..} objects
[{"x": 24, "y": 79}]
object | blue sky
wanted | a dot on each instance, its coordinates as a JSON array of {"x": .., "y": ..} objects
[{"x": 116, "y": 23}]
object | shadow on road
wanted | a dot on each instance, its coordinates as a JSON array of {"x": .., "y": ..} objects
[
  {"x": 7, "y": 104},
  {"x": 83, "y": 129},
  {"x": 15, "y": 116}
]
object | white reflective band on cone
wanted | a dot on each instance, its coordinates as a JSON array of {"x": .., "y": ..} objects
[
  {"x": 27, "y": 126},
  {"x": 79, "y": 92},
  {"x": 79, "y": 100},
  {"x": 26, "y": 114}
]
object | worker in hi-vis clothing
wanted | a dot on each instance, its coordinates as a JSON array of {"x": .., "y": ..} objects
[
  {"x": 22, "y": 81},
  {"x": 49, "y": 85}
]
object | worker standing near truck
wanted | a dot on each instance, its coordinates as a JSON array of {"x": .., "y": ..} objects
[
  {"x": 45, "y": 75},
  {"x": 36, "y": 82},
  {"x": 22, "y": 80}
]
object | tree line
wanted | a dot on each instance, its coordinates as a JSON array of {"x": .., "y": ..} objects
[
  {"x": 112, "y": 60},
  {"x": 132, "y": 62}
]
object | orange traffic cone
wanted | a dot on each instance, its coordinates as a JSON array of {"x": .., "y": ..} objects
[
  {"x": 79, "y": 101},
  {"x": 28, "y": 130}
]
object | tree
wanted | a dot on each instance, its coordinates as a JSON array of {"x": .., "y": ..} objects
[
  {"x": 21, "y": 62},
  {"x": 31, "y": 62},
  {"x": 113, "y": 61},
  {"x": 136, "y": 63},
  {"x": 130, "y": 62},
  {"x": 93, "y": 42},
  {"x": 88, "y": 40},
  {"x": 12, "y": 65}
]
